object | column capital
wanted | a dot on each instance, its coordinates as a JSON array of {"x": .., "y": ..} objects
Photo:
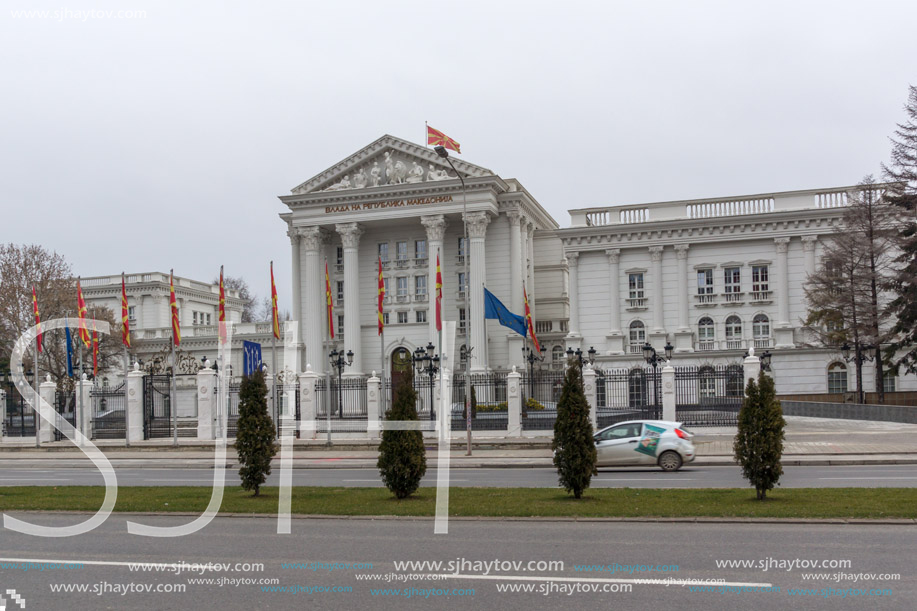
[
  {"x": 477, "y": 224},
  {"x": 572, "y": 257},
  {"x": 515, "y": 216},
  {"x": 782, "y": 244},
  {"x": 293, "y": 234},
  {"x": 350, "y": 234},
  {"x": 808, "y": 242},
  {"x": 311, "y": 237},
  {"x": 613, "y": 254},
  {"x": 530, "y": 228},
  {"x": 435, "y": 225},
  {"x": 681, "y": 251},
  {"x": 655, "y": 253}
]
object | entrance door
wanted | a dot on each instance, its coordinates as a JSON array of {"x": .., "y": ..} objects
[{"x": 402, "y": 368}]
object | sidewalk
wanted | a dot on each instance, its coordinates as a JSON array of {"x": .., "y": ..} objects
[{"x": 809, "y": 441}]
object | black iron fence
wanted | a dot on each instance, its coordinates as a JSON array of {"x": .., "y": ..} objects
[
  {"x": 19, "y": 418},
  {"x": 627, "y": 394},
  {"x": 157, "y": 406},
  {"x": 108, "y": 405},
  {"x": 492, "y": 412},
  {"x": 344, "y": 400},
  {"x": 708, "y": 395},
  {"x": 286, "y": 394},
  {"x": 540, "y": 394},
  {"x": 65, "y": 409}
]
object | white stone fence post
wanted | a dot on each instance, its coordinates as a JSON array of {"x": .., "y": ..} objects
[
  {"x": 134, "y": 395},
  {"x": 373, "y": 405},
  {"x": 591, "y": 393},
  {"x": 307, "y": 399},
  {"x": 514, "y": 403},
  {"x": 206, "y": 402},
  {"x": 668, "y": 393},
  {"x": 46, "y": 391}
]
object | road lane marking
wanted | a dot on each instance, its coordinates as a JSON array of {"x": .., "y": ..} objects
[{"x": 867, "y": 478}]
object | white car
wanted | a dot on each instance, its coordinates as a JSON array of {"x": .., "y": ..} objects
[{"x": 645, "y": 442}]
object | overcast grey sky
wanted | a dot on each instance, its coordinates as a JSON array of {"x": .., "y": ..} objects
[{"x": 163, "y": 140}]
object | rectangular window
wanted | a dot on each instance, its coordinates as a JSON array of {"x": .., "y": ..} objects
[
  {"x": 402, "y": 318},
  {"x": 461, "y": 282},
  {"x": 888, "y": 383},
  {"x": 461, "y": 246},
  {"x": 208, "y": 319},
  {"x": 132, "y": 313},
  {"x": 732, "y": 277},
  {"x": 383, "y": 252},
  {"x": 420, "y": 249},
  {"x": 461, "y": 321},
  {"x": 385, "y": 318},
  {"x": 340, "y": 290},
  {"x": 420, "y": 285},
  {"x": 194, "y": 317},
  {"x": 635, "y": 284},
  {"x": 385, "y": 282},
  {"x": 401, "y": 250},
  {"x": 401, "y": 286},
  {"x": 705, "y": 282},
  {"x": 340, "y": 255},
  {"x": 759, "y": 282},
  {"x": 421, "y": 315},
  {"x": 340, "y": 329}
]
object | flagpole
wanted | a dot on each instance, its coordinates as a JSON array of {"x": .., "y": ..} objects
[
  {"x": 127, "y": 418},
  {"x": 35, "y": 395},
  {"x": 80, "y": 398},
  {"x": 172, "y": 405},
  {"x": 328, "y": 390}
]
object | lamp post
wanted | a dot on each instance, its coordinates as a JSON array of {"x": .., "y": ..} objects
[
  {"x": 442, "y": 152},
  {"x": 578, "y": 354},
  {"x": 860, "y": 355},
  {"x": 427, "y": 363},
  {"x": 338, "y": 363},
  {"x": 531, "y": 357},
  {"x": 650, "y": 356}
]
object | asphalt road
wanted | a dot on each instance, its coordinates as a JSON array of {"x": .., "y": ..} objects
[
  {"x": 686, "y": 550},
  {"x": 866, "y": 476}
]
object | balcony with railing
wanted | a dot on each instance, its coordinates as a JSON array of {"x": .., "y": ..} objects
[
  {"x": 635, "y": 348},
  {"x": 403, "y": 298},
  {"x": 339, "y": 268},
  {"x": 420, "y": 298},
  {"x": 402, "y": 263},
  {"x": 706, "y": 345},
  {"x": 705, "y": 299},
  {"x": 762, "y": 342},
  {"x": 761, "y": 297},
  {"x": 420, "y": 261},
  {"x": 460, "y": 295},
  {"x": 637, "y": 303},
  {"x": 735, "y": 344},
  {"x": 733, "y": 298}
]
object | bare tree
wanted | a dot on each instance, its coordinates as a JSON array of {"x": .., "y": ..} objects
[{"x": 249, "y": 313}]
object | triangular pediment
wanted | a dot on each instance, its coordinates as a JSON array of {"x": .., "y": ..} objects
[{"x": 388, "y": 161}]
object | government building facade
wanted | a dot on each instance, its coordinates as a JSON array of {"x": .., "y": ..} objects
[{"x": 712, "y": 277}]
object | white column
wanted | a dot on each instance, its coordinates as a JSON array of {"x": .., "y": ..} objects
[
  {"x": 296, "y": 304},
  {"x": 783, "y": 282},
  {"x": 573, "y": 267},
  {"x": 435, "y": 224},
  {"x": 477, "y": 231},
  {"x": 88, "y": 409},
  {"x": 668, "y": 393},
  {"x": 514, "y": 403},
  {"x": 681, "y": 253},
  {"x": 530, "y": 248},
  {"x": 46, "y": 407},
  {"x": 656, "y": 257},
  {"x": 808, "y": 245},
  {"x": 614, "y": 283},
  {"x": 205, "y": 402},
  {"x": 307, "y": 399},
  {"x": 516, "y": 260},
  {"x": 373, "y": 405},
  {"x": 350, "y": 237},
  {"x": 135, "y": 404},
  {"x": 314, "y": 297},
  {"x": 591, "y": 392}
]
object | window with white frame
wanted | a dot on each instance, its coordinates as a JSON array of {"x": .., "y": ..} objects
[
  {"x": 420, "y": 285},
  {"x": 705, "y": 282},
  {"x": 340, "y": 329},
  {"x": 759, "y": 283},
  {"x": 557, "y": 354},
  {"x": 401, "y": 286},
  {"x": 732, "y": 280},
  {"x": 401, "y": 250},
  {"x": 383, "y": 252},
  {"x": 761, "y": 327},
  {"x": 385, "y": 318},
  {"x": 461, "y": 320},
  {"x": 402, "y": 318},
  {"x": 461, "y": 246},
  {"x": 888, "y": 382},
  {"x": 340, "y": 255},
  {"x": 706, "y": 333},
  {"x": 194, "y": 318},
  {"x": 635, "y": 285},
  {"x": 420, "y": 249},
  {"x": 637, "y": 336},
  {"x": 461, "y": 282},
  {"x": 340, "y": 287},
  {"x": 837, "y": 378},
  {"x": 706, "y": 387},
  {"x": 208, "y": 319},
  {"x": 385, "y": 284},
  {"x": 132, "y": 314},
  {"x": 733, "y": 332},
  {"x": 420, "y": 316}
]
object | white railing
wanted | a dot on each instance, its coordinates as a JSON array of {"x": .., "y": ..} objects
[
  {"x": 634, "y": 215},
  {"x": 460, "y": 259},
  {"x": 401, "y": 298},
  {"x": 706, "y": 345},
  {"x": 420, "y": 298},
  {"x": 706, "y": 298},
  {"x": 761, "y": 296},
  {"x": 401, "y": 263},
  {"x": 636, "y": 303},
  {"x": 564, "y": 326},
  {"x": 461, "y": 328},
  {"x": 339, "y": 268},
  {"x": 729, "y": 208},
  {"x": 734, "y": 344},
  {"x": 543, "y": 326},
  {"x": 420, "y": 262},
  {"x": 460, "y": 295},
  {"x": 831, "y": 199},
  {"x": 762, "y": 342},
  {"x": 635, "y": 348},
  {"x": 733, "y": 297}
]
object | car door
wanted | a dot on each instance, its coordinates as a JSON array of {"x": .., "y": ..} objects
[{"x": 616, "y": 445}]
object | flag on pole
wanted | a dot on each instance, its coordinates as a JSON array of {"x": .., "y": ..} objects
[
  {"x": 439, "y": 295},
  {"x": 222, "y": 315},
  {"x": 37, "y": 319},
  {"x": 380, "y": 298},
  {"x": 69, "y": 349},
  {"x": 81, "y": 311},
  {"x": 125, "y": 322},
  {"x": 528, "y": 319},
  {"x": 329, "y": 302},
  {"x": 176, "y": 328},
  {"x": 275, "y": 316},
  {"x": 494, "y": 308},
  {"x": 436, "y": 137},
  {"x": 95, "y": 350}
]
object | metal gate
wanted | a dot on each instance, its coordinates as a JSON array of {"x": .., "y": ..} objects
[
  {"x": 627, "y": 394},
  {"x": 19, "y": 420},
  {"x": 540, "y": 393},
  {"x": 157, "y": 408},
  {"x": 709, "y": 396},
  {"x": 108, "y": 403},
  {"x": 65, "y": 410}
]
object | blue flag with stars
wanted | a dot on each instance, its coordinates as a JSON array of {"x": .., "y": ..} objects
[{"x": 494, "y": 308}]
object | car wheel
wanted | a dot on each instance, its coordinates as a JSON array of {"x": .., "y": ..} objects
[{"x": 670, "y": 461}]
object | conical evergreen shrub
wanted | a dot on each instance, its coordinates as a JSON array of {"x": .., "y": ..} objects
[
  {"x": 402, "y": 458},
  {"x": 255, "y": 433},
  {"x": 759, "y": 442},
  {"x": 574, "y": 447}
]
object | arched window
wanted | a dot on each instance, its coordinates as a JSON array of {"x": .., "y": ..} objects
[
  {"x": 706, "y": 334},
  {"x": 706, "y": 387},
  {"x": 761, "y": 329},
  {"x": 734, "y": 333},
  {"x": 557, "y": 354},
  {"x": 837, "y": 378},
  {"x": 734, "y": 382},
  {"x": 637, "y": 337}
]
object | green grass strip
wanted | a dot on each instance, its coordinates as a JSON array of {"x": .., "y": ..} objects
[{"x": 493, "y": 502}]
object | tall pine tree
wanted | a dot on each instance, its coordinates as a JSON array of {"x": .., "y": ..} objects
[
  {"x": 255, "y": 435},
  {"x": 574, "y": 446},
  {"x": 402, "y": 457},
  {"x": 758, "y": 443}
]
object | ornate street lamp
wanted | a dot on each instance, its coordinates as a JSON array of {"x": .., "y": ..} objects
[
  {"x": 652, "y": 358},
  {"x": 532, "y": 357},
  {"x": 427, "y": 363}
]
